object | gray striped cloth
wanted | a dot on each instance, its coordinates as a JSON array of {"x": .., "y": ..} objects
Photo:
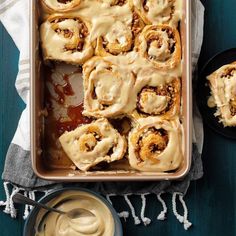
[{"x": 14, "y": 15}]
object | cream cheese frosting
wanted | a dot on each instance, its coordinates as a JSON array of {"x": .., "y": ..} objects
[
  {"x": 65, "y": 39},
  {"x": 155, "y": 145},
  {"x": 130, "y": 52},
  {"x": 159, "y": 11},
  {"x": 51, "y": 223},
  {"x": 60, "y": 5},
  {"x": 93, "y": 143}
]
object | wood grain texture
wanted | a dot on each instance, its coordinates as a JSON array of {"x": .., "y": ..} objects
[{"x": 211, "y": 201}]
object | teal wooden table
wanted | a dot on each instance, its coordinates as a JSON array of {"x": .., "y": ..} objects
[{"x": 211, "y": 200}]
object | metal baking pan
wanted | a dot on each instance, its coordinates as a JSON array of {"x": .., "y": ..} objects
[{"x": 65, "y": 171}]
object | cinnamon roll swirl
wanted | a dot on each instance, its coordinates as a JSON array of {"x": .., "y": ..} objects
[
  {"x": 155, "y": 145},
  {"x": 120, "y": 37},
  {"x": 160, "y": 44},
  {"x": 60, "y": 5},
  {"x": 115, "y": 2},
  {"x": 158, "y": 11},
  {"x": 107, "y": 88},
  {"x": 66, "y": 38},
  {"x": 94, "y": 143},
  {"x": 158, "y": 99},
  {"x": 223, "y": 90}
]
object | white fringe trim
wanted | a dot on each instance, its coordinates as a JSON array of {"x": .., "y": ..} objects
[
  {"x": 6, "y": 203},
  {"x": 182, "y": 219},
  {"x": 11, "y": 210},
  {"x": 27, "y": 207},
  {"x": 146, "y": 221},
  {"x": 162, "y": 215},
  {"x": 9, "y": 204},
  {"x": 123, "y": 214},
  {"x": 32, "y": 197},
  {"x": 135, "y": 217}
]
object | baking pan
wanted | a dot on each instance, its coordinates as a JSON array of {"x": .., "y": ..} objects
[{"x": 44, "y": 166}]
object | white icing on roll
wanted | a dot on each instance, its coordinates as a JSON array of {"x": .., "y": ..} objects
[
  {"x": 114, "y": 84},
  {"x": 159, "y": 11},
  {"x": 65, "y": 39},
  {"x": 107, "y": 89},
  {"x": 152, "y": 102},
  {"x": 91, "y": 144},
  {"x": 149, "y": 151},
  {"x": 62, "y": 6},
  {"x": 160, "y": 44}
]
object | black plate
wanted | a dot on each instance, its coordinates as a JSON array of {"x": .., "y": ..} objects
[{"x": 203, "y": 92}]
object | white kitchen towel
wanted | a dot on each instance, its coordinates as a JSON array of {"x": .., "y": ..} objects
[{"x": 14, "y": 15}]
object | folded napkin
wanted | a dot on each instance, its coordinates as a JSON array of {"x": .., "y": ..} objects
[{"x": 14, "y": 15}]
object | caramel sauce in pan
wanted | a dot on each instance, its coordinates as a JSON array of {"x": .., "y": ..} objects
[
  {"x": 75, "y": 114},
  {"x": 60, "y": 94},
  {"x": 77, "y": 118},
  {"x": 54, "y": 156},
  {"x": 55, "y": 100},
  {"x": 67, "y": 88},
  {"x": 63, "y": 90}
]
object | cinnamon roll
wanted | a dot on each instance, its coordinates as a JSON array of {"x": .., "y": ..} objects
[
  {"x": 107, "y": 88},
  {"x": 155, "y": 145},
  {"x": 158, "y": 99},
  {"x": 94, "y": 143},
  {"x": 223, "y": 90},
  {"x": 66, "y": 38},
  {"x": 60, "y": 5},
  {"x": 115, "y": 2},
  {"x": 160, "y": 44},
  {"x": 119, "y": 39},
  {"x": 158, "y": 11}
]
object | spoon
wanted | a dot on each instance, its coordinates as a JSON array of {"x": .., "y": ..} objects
[{"x": 72, "y": 214}]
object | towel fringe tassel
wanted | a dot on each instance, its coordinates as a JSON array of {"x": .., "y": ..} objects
[
  {"x": 27, "y": 207},
  {"x": 9, "y": 204},
  {"x": 162, "y": 215},
  {"x": 32, "y": 197},
  {"x": 123, "y": 214},
  {"x": 146, "y": 221},
  {"x": 11, "y": 210},
  {"x": 182, "y": 219},
  {"x": 135, "y": 217}
]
